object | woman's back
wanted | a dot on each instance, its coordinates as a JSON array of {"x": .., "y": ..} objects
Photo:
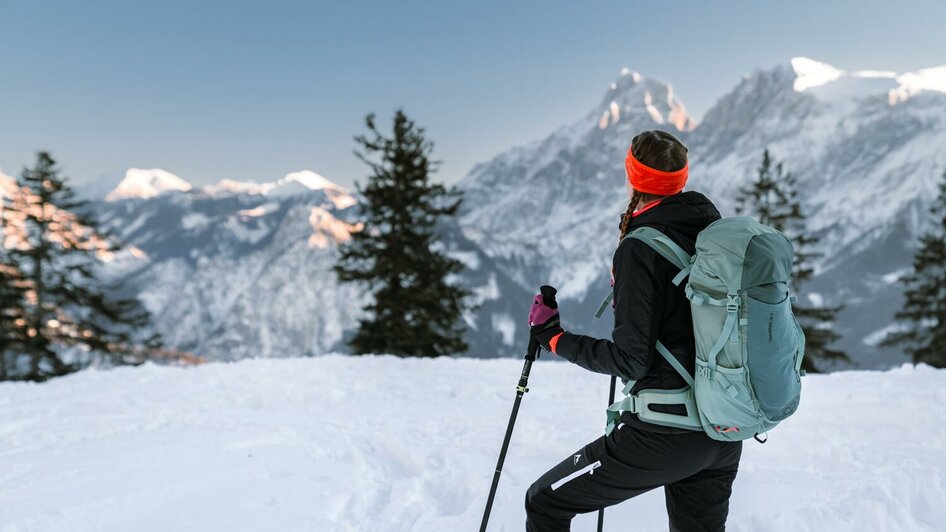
[
  {"x": 648, "y": 292},
  {"x": 696, "y": 471}
]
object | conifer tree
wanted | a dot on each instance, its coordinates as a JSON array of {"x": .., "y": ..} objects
[
  {"x": 924, "y": 310},
  {"x": 773, "y": 199},
  {"x": 15, "y": 290},
  {"x": 416, "y": 310},
  {"x": 13, "y": 297},
  {"x": 55, "y": 245}
]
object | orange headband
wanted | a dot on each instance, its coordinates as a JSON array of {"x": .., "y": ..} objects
[{"x": 651, "y": 181}]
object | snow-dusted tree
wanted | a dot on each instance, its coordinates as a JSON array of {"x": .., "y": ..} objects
[
  {"x": 14, "y": 292},
  {"x": 772, "y": 198},
  {"x": 13, "y": 298},
  {"x": 923, "y": 315},
  {"x": 416, "y": 311},
  {"x": 55, "y": 246}
]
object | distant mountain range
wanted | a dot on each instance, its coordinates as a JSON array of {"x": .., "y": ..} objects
[
  {"x": 867, "y": 148},
  {"x": 237, "y": 269}
]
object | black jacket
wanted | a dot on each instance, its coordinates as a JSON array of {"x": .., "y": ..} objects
[{"x": 647, "y": 306}]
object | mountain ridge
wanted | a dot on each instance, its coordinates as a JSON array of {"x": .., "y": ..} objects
[
  {"x": 208, "y": 261},
  {"x": 866, "y": 164}
]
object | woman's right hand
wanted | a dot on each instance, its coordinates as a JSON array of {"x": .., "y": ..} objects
[{"x": 544, "y": 317}]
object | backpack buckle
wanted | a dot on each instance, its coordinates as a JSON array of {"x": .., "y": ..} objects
[
  {"x": 636, "y": 404},
  {"x": 732, "y": 304}
]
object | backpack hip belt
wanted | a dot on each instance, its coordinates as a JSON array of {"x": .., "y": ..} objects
[{"x": 641, "y": 402}]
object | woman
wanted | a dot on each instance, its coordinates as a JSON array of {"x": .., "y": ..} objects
[{"x": 696, "y": 472}]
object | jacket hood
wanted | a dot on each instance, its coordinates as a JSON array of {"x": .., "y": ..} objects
[{"x": 687, "y": 212}]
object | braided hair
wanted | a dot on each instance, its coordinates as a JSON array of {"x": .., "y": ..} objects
[{"x": 661, "y": 151}]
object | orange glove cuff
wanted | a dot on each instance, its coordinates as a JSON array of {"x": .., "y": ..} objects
[{"x": 553, "y": 343}]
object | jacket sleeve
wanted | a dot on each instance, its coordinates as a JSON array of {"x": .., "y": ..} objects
[{"x": 639, "y": 297}]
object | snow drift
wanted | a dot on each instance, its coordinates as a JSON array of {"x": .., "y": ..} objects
[{"x": 380, "y": 443}]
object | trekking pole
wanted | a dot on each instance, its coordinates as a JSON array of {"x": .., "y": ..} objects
[
  {"x": 521, "y": 389},
  {"x": 614, "y": 382}
]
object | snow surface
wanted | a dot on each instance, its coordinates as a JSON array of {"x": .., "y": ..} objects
[
  {"x": 7, "y": 183},
  {"x": 195, "y": 220},
  {"x": 835, "y": 83},
  {"x": 380, "y": 443},
  {"x": 506, "y": 327},
  {"x": 875, "y": 338},
  {"x": 812, "y": 73},
  {"x": 231, "y": 186},
  {"x": 911, "y": 83},
  {"x": 328, "y": 230},
  {"x": 142, "y": 183}
]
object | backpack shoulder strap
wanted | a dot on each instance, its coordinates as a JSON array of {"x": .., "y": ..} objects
[{"x": 666, "y": 248}]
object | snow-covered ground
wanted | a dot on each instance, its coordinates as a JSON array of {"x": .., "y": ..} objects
[{"x": 380, "y": 443}]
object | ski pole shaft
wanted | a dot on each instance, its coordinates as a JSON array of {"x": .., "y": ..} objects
[
  {"x": 614, "y": 382},
  {"x": 521, "y": 389}
]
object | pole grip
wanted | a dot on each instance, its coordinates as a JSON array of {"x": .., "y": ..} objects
[{"x": 548, "y": 296}]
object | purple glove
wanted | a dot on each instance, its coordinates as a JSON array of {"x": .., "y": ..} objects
[
  {"x": 544, "y": 320},
  {"x": 540, "y": 313}
]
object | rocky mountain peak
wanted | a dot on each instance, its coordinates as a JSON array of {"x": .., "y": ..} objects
[{"x": 634, "y": 95}]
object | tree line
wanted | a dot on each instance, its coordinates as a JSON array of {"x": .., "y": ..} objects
[
  {"x": 414, "y": 311},
  {"x": 920, "y": 329},
  {"x": 58, "y": 314}
]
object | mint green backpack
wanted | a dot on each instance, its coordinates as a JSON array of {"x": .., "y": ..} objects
[{"x": 749, "y": 346}]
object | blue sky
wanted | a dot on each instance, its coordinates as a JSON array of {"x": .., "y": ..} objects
[{"x": 253, "y": 90}]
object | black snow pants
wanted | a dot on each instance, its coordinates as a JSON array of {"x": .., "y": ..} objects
[{"x": 696, "y": 472}]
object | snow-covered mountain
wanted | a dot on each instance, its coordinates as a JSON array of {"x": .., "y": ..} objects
[
  {"x": 571, "y": 187},
  {"x": 237, "y": 269},
  {"x": 290, "y": 185},
  {"x": 867, "y": 148},
  {"x": 864, "y": 145},
  {"x": 141, "y": 183}
]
